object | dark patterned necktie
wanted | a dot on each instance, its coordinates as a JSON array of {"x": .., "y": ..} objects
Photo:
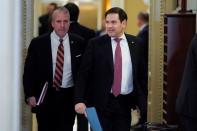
[
  {"x": 57, "y": 81},
  {"x": 116, "y": 88}
]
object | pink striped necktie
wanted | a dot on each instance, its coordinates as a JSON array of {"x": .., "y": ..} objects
[
  {"x": 57, "y": 81},
  {"x": 116, "y": 88}
]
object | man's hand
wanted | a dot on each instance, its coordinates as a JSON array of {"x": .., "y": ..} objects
[
  {"x": 32, "y": 101},
  {"x": 80, "y": 108},
  {"x": 138, "y": 111}
]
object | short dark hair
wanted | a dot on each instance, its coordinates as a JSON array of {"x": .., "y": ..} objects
[
  {"x": 54, "y": 5},
  {"x": 73, "y": 10},
  {"x": 143, "y": 16},
  {"x": 116, "y": 10}
]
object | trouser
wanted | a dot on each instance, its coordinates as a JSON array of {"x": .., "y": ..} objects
[
  {"x": 82, "y": 123},
  {"x": 59, "y": 115},
  {"x": 189, "y": 124},
  {"x": 116, "y": 116}
]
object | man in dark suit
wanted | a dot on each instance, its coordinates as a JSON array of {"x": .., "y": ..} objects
[
  {"x": 143, "y": 35},
  {"x": 87, "y": 34},
  {"x": 75, "y": 26},
  {"x": 53, "y": 58},
  {"x": 45, "y": 20},
  {"x": 142, "y": 22},
  {"x": 111, "y": 74},
  {"x": 186, "y": 104}
]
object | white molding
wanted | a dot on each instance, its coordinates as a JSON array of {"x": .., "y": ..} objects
[
  {"x": 10, "y": 64},
  {"x": 117, "y": 3},
  {"x": 99, "y": 14},
  {"x": 192, "y": 5}
]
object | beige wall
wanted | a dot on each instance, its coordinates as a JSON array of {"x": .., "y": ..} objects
[
  {"x": 88, "y": 15},
  {"x": 132, "y": 7}
]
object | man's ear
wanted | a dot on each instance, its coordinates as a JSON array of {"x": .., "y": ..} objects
[
  {"x": 124, "y": 23},
  {"x": 52, "y": 24}
]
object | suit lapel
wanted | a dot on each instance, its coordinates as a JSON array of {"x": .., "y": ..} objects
[
  {"x": 74, "y": 52},
  {"x": 132, "y": 44},
  {"x": 108, "y": 52},
  {"x": 49, "y": 58}
]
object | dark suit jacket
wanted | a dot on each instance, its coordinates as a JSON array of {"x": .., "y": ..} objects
[
  {"x": 38, "y": 64},
  {"x": 82, "y": 31},
  {"x": 45, "y": 24},
  {"x": 96, "y": 72},
  {"x": 187, "y": 97},
  {"x": 143, "y": 35}
]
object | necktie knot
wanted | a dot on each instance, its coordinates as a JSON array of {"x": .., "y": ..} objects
[
  {"x": 61, "y": 41},
  {"x": 118, "y": 40}
]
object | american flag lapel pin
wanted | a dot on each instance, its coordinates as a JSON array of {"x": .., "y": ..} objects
[{"x": 131, "y": 43}]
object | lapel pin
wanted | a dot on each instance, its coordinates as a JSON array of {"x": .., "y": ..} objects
[
  {"x": 72, "y": 42},
  {"x": 132, "y": 42},
  {"x": 78, "y": 55}
]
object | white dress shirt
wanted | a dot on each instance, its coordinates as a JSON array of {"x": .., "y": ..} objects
[
  {"x": 67, "y": 79},
  {"x": 127, "y": 75}
]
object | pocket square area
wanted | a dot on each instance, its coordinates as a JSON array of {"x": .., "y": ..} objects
[{"x": 78, "y": 55}]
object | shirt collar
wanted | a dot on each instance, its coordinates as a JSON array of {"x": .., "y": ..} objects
[
  {"x": 56, "y": 37},
  {"x": 143, "y": 26},
  {"x": 123, "y": 37}
]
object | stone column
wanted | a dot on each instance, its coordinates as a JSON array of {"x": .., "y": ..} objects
[
  {"x": 156, "y": 53},
  {"x": 10, "y": 64},
  {"x": 27, "y": 36}
]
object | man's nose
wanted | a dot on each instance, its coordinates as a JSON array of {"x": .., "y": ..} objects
[
  {"x": 62, "y": 24},
  {"x": 108, "y": 25}
]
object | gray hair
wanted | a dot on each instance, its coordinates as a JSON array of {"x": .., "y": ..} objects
[{"x": 58, "y": 10}]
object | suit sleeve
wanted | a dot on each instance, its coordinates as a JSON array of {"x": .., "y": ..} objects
[
  {"x": 84, "y": 75},
  {"x": 29, "y": 71},
  {"x": 143, "y": 67},
  {"x": 188, "y": 78},
  {"x": 142, "y": 79}
]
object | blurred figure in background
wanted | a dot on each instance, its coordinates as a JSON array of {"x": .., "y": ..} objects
[
  {"x": 102, "y": 31},
  {"x": 75, "y": 26},
  {"x": 142, "y": 23},
  {"x": 143, "y": 35},
  {"x": 45, "y": 20}
]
